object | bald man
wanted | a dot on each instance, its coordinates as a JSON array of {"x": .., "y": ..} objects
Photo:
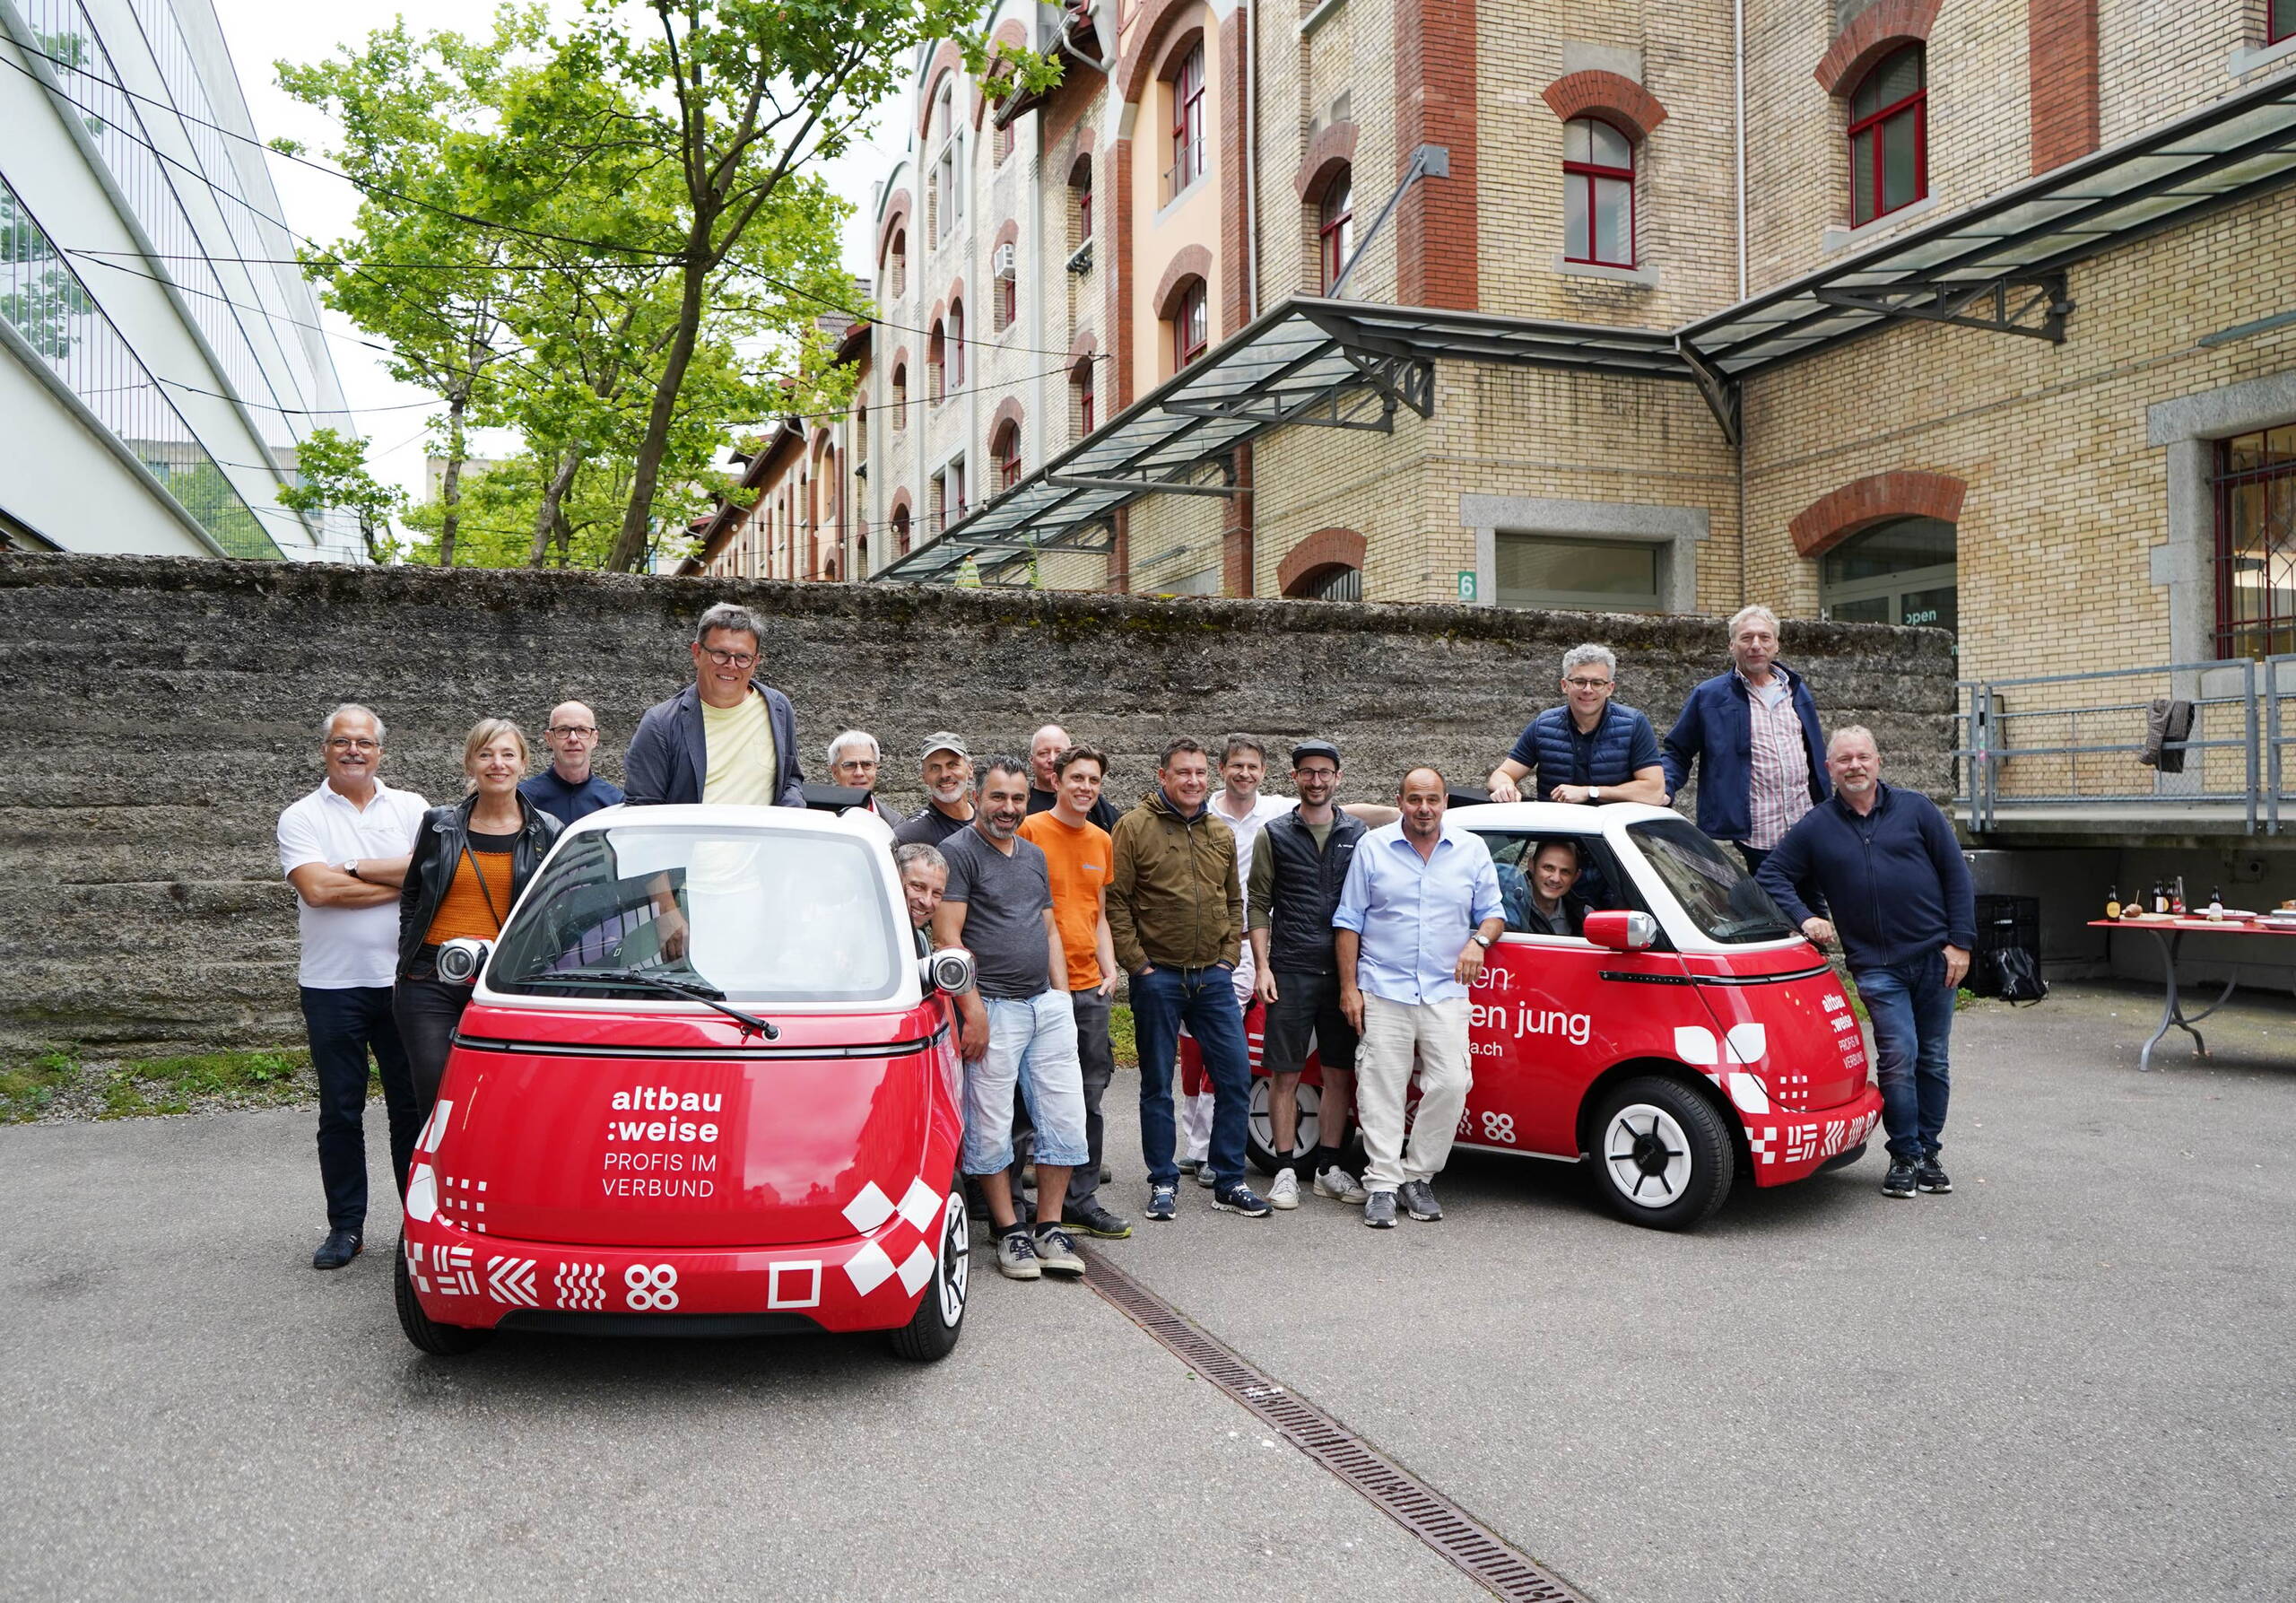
[
  {"x": 1044, "y": 783},
  {"x": 567, "y": 789}
]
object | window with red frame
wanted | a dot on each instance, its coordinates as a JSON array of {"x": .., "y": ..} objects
[
  {"x": 1006, "y": 449},
  {"x": 1597, "y": 194},
  {"x": 900, "y": 530},
  {"x": 1083, "y": 380},
  {"x": 901, "y": 399},
  {"x": 1081, "y": 185},
  {"x": 2279, "y": 21},
  {"x": 935, "y": 366},
  {"x": 1191, "y": 325},
  {"x": 1888, "y": 135},
  {"x": 1335, "y": 226},
  {"x": 1187, "y": 123},
  {"x": 956, "y": 358},
  {"x": 2256, "y": 543}
]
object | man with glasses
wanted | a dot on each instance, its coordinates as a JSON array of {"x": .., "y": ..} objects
[
  {"x": 1591, "y": 749},
  {"x": 855, "y": 758},
  {"x": 568, "y": 790},
  {"x": 728, "y": 736},
  {"x": 344, "y": 848}
]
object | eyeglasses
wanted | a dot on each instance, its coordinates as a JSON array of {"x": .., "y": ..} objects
[
  {"x": 730, "y": 659},
  {"x": 344, "y": 742},
  {"x": 588, "y": 731},
  {"x": 1588, "y": 683}
]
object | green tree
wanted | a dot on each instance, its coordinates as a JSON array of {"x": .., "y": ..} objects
[
  {"x": 331, "y": 473},
  {"x": 734, "y": 99}
]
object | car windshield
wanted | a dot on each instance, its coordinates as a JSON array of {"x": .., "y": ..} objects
[
  {"x": 769, "y": 916},
  {"x": 1721, "y": 897}
]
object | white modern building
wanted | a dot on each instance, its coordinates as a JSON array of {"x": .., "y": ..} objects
[{"x": 160, "y": 356}]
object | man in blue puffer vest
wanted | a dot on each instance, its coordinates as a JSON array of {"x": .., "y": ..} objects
[
  {"x": 1753, "y": 734},
  {"x": 1589, "y": 749}
]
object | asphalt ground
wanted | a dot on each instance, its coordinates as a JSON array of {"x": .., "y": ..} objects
[{"x": 2071, "y": 1379}]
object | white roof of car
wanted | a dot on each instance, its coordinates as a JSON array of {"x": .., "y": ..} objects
[
  {"x": 853, "y": 820},
  {"x": 1555, "y": 818}
]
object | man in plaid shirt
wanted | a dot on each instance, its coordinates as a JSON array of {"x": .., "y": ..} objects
[{"x": 1753, "y": 734}]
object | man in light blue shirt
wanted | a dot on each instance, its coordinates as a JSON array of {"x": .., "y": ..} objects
[{"x": 1420, "y": 908}]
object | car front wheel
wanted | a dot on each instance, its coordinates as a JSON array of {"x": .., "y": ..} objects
[
  {"x": 1663, "y": 1158},
  {"x": 1259, "y": 1127},
  {"x": 932, "y": 1331},
  {"x": 441, "y": 1341}
]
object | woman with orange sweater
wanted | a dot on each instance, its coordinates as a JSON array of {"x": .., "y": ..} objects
[{"x": 471, "y": 860}]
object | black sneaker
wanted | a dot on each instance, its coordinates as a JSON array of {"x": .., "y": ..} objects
[
  {"x": 1240, "y": 1200},
  {"x": 1898, "y": 1182},
  {"x": 1931, "y": 1177},
  {"x": 1379, "y": 1210},
  {"x": 1088, "y": 1217},
  {"x": 1163, "y": 1202},
  {"x": 339, "y": 1249}
]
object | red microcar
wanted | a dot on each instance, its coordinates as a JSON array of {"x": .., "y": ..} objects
[
  {"x": 1689, "y": 1037},
  {"x": 706, "y": 1086}
]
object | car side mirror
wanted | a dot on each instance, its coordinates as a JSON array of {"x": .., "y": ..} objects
[
  {"x": 951, "y": 970},
  {"x": 1623, "y": 931},
  {"x": 461, "y": 959}
]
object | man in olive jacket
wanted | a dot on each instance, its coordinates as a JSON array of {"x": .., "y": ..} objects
[{"x": 1176, "y": 912}]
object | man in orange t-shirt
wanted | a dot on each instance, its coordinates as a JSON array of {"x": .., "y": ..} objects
[{"x": 1080, "y": 855}]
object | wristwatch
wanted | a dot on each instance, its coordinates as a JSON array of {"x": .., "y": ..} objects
[
  {"x": 1594, "y": 794},
  {"x": 351, "y": 867},
  {"x": 1481, "y": 939}
]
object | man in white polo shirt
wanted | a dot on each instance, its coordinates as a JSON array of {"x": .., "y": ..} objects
[{"x": 344, "y": 849}]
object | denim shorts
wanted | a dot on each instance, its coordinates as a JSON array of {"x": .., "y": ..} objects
[{"x": 1031, "y": 1046}]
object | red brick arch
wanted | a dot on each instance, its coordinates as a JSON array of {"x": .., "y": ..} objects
[
  {"x": 1008, "y": 411},
  {"x": 1611, "y": 96},
  {"x": 1008, "y": 233},
  {"x": 1193, "y": 261},
  {"x": 1083, "y": 347},
  {"x": 1325, "y": 548},
  {"x": 897, "y": 211},
  {"x": 1155, "y": 20},
  {"x": 1331, "y": 148},
  {"x": 945, "y": 60},
  {"x": 1872, "y": 34},
  {"x": 1832, "y": 519},
  {"x": 1008, "y": 32}
]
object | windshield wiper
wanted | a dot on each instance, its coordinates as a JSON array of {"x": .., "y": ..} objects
[{"x": 709, "y": 995}]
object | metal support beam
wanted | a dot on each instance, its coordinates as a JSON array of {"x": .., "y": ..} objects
[
  {"x": 1323, "y": 407},
  {"x": 1720, "y": 390},
  {"x": 2035, "y": 306},
  {"x": 1141, "y": 486},
  {"x": 1428, "y": 162}
]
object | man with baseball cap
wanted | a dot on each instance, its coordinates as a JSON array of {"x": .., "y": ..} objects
[{"x": 948, "y": 790}]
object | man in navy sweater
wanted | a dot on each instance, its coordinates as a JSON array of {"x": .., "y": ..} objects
[{"x": 1889, "y": 869}]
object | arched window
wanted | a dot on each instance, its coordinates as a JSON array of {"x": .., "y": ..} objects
[
  {"x": 896, "y": 263},
  {"x": 1187, "y": 122},
  {"x": 1080, "y": 186},
  {"x": 956, "y": 354},
  {"x": 1901, "y": 571},
  {"x": 1004, "y": 281},
  {"x": 935, "y": 365},
  {"x": 1335, "y": 226},
  {"x": 1597, "y": 194},
  {"x": 946, "y": 193},
  {"x": 1888, "y": 135},
  {"x": 1080, "y": 384},
  {"x": 1334, "y": 581},
  {"x": 901, "y": 398},
  {"x": 1191, "y": 324},
  {"x": 1006, "y": 449},
  {"x": 901, "y": 529}
]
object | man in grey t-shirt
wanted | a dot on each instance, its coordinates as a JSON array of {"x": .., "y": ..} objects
[{"x": 1020, "y": 1031}]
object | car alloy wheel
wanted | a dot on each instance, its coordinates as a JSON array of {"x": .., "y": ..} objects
[
  {"x": 1259, "y": 1127},
  {"x": 1663, "y": 1157},
  {"x": 933, "y": 1330}
]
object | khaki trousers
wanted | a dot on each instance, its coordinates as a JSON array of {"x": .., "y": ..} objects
[{"x": 1394, "y": 1033}]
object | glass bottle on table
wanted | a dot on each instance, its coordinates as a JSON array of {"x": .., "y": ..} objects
[{"x": 2112, "y": 902}]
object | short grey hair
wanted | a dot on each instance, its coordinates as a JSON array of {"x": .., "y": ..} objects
[
  {"x": 326, "y": 728},
  {"x": 1578, "y": 656},
  {"x": 876, "y": 752},
  {"x": 1848, "y": 730},
  {"x": 1756, "y": 610},
  {"x": 918, "y": 851},
  {"x": 732, "y": 616}
]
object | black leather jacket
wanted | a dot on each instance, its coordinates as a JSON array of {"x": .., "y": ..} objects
[{"x": 439, "y": 848}]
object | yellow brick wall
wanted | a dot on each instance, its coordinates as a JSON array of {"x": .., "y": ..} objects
[
  {"x": 1349, "y": 54},
  {"x": 2158, "y": 58}
]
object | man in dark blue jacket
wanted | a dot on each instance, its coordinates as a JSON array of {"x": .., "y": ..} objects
[
  {"x": 1753, "y": 734},
  {"x": 1589, "y": 749},
  {"x": 1891, "y": 870},
  {"x": 725, "y": 737}
]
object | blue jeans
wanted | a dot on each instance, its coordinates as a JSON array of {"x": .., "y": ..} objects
[
  {"x": 342, "y": 1025},
  {"x": 1204, "y": 1000},
  {"x": 1031, "y": 1048},
  {"x": 1912, "y": 1010}
]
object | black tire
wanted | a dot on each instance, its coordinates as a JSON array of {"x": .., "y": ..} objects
[
  {"x": 932, "y": 1332},
  {"x": 1259, "y": 1138},
  {"x": 1663, "y": 1158},
  {"x": 441, "y": 1341}
]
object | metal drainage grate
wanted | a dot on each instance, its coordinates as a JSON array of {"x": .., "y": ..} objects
[{"x": 1421, "y": 1509}]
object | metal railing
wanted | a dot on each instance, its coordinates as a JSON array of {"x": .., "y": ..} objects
[{"x": 2069, "y": 745}]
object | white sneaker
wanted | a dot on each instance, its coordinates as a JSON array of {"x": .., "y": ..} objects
[
  {"x": 1340, "y": 1186},
  {"x": 1283, "y": 1191}
]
